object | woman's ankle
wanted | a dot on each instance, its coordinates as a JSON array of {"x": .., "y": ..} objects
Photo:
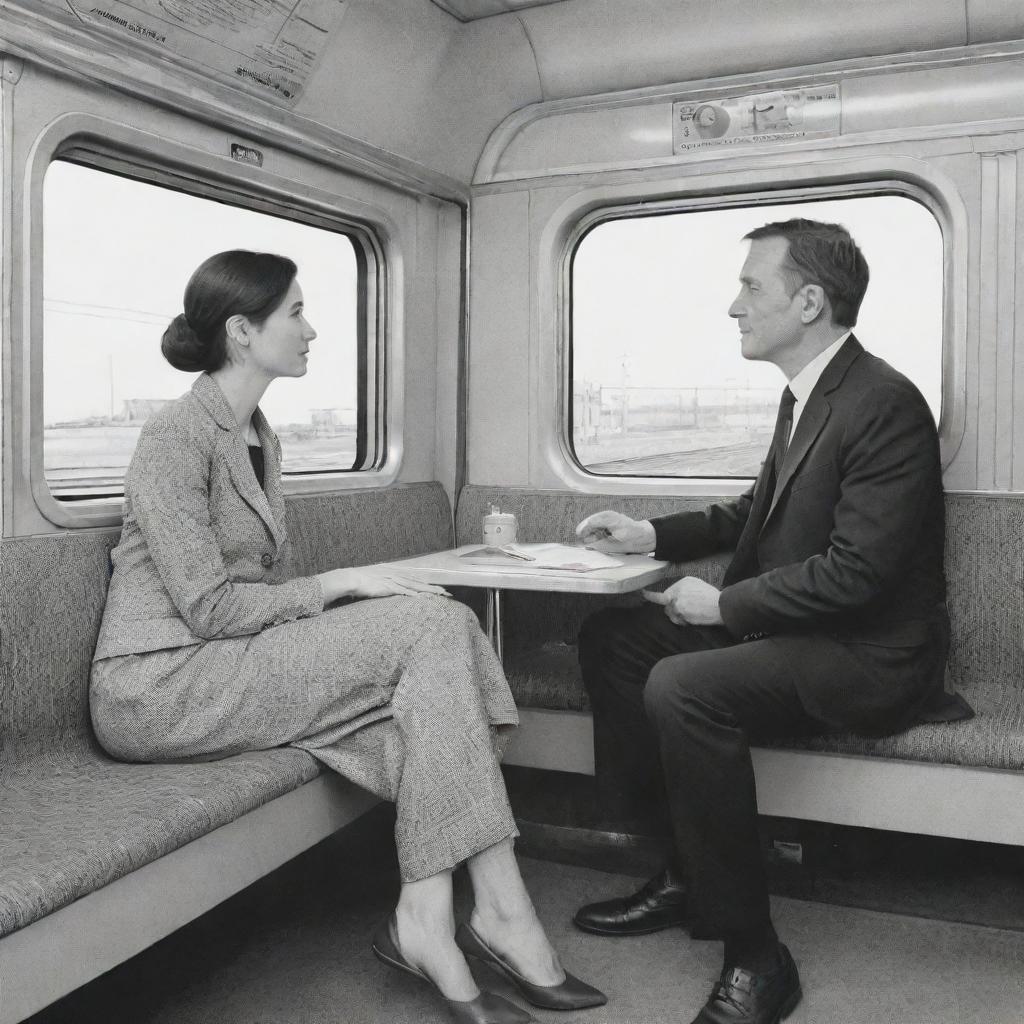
[
  {"x": 521, "y": 941},
  {"x": 490, "y": 918},
  {"x": 423, "y": 917},
  {"x": 429, "y": 946}
]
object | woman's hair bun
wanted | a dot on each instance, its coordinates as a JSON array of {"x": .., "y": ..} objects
[
  {"x": 232, "y": 283},
  {"x": 182, "y": 348}
]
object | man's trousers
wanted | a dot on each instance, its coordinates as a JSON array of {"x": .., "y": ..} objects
[{"x": 675, "y": 709}]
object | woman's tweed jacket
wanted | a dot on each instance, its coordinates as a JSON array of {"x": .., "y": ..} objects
[
  {"x": 203, "y": 552},
  {"x": 208, "y": 647}
]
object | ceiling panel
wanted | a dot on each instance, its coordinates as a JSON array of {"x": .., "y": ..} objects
[{"x": 470, "y": 10}]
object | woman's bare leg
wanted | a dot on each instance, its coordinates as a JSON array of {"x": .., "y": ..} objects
[
  {"x": 426, "y": 935},
  {"x": 504, "y": 916}
]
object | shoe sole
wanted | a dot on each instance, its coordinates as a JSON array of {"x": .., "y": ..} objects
[
  {"x": 503, "y": 972},
  {"x": 392, "y": 962},
  {"x": 533, "y": 994},
  {"x": 619, "y": 933}
]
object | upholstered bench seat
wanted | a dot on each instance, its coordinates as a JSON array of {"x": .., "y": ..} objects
[
  {"x": 547, "y": 676},
  {"x": 76, "y": 820},
  {"x": 99, "y": 859},
  {"x": 984, "y": 564}
]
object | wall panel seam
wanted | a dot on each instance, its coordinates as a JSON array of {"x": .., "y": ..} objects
[
  {"x": 1005, "y": 282},
  {"x": 987, "y": 321}
]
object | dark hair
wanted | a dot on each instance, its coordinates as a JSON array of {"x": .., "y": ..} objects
[
  {"x": 233, "y": 283},
  {"x": 825, "y": 255}
]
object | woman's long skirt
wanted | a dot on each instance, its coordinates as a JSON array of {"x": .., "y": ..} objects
[{"x": 402, "y": 695}]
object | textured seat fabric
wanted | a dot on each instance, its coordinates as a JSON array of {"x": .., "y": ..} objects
[
  {"x": 329, "y": 531},
  {"x": 984, "y": 566},
  {"x": 71, "y": 818},
  {"x": 75, "y": 820}
]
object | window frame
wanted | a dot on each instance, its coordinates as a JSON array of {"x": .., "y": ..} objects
[
  {"x": 844, "y": 179},
  {"x": 118, "y": 149}
]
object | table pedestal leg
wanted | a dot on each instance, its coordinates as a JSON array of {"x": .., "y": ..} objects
[{"x": 493, "y": 621}]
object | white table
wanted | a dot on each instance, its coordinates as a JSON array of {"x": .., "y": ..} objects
[{"x": 445, "y": 568}]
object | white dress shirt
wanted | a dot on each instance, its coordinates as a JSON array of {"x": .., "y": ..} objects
[{"x": 803, "y": 383}]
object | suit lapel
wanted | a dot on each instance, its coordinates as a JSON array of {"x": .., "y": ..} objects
[
  {"x": 744, "y": 561},
  {"x": 814, "y": 417},
  {"x": 274, "y": 492},
  {"x": 236, "y": 454}
]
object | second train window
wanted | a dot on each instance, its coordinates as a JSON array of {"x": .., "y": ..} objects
[{"x": 658, "y": 384}]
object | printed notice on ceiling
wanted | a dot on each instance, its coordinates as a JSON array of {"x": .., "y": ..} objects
[
  {"x": 269, "y": 46},
  {"x": 754, "y": 120}
]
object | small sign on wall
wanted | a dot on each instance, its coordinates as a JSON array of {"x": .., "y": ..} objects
[
  {"x": 756, "y": 119},
  {"x": 246, "y": 154}
]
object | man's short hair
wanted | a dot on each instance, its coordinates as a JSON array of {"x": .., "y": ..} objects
[{"x": 825, "y": 255}]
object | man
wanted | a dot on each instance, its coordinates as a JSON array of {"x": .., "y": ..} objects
[{"x": 831, "y": 616}]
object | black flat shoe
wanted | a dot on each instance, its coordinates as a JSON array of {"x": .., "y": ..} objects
[
  {"x": 742, "y": 997},
  {"x": 571, "y": 994},
  {"x": 486, "y": 1008},
  {"x": 661, "y": 903}
]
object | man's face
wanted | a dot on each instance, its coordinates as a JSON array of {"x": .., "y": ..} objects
[{"x": 768, "y": 317}]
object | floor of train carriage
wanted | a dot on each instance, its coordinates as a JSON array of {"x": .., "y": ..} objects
[{"x": 884, "y": 928}]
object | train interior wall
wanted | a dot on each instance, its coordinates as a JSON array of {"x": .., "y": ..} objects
[
  {"x": 530, "y": 120},
  {"x": 420, "y": 238},
  {"x": 930, "y": 127}
]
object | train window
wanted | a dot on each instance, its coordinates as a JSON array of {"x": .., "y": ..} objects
[
  {"x": 117, "y": 254},
  {"x": 658, "y": 385}
]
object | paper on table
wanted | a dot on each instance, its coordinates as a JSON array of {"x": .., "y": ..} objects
[{"x": 566, "y": 557}]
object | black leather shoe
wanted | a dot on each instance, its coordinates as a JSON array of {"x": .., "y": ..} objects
[
  {"x": 741, "y": 997},
  {"x": 486, "y": 1008},
  {"x": 571, "y": 994},
  {"x": 661, "y": 903}
]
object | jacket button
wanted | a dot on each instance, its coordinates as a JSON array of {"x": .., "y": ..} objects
[{"x": 267, "y": 559}]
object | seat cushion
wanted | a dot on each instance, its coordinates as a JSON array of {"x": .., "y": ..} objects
[
  {"x": 74, "y": 820},
  {"x": 994, "y": 738},
  {"x": 547, "y": 675}
]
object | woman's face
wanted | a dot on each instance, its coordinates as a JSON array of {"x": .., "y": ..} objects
[{"x": 280, "y": 345}]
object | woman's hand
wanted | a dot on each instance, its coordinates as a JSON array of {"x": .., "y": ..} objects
[{"x": 380, "y": 580}]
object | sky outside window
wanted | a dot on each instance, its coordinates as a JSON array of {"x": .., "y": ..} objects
[
  {"x": 117, "y": 256},
  {"x": 651, "y": 330}
]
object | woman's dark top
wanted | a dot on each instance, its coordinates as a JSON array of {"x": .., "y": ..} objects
[{"x": 256, "y": 458}]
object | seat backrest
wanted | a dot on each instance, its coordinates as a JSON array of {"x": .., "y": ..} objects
[
  {"x": 329, "y": 531},
  {"x": 51, "y": 604},
  {"x": 985, "y": 593},
  {"x": 984, "y": 570},
  {"x": 54, "y": 587}
]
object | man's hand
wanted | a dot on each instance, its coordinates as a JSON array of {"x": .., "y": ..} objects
[
  {"x": 689, "y": 600},
  {"x": 616, "y": 533}
]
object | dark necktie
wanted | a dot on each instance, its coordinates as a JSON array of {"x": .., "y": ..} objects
[
  {"x": 745, "y": 562},
  {"x": 780, "y": 440}
]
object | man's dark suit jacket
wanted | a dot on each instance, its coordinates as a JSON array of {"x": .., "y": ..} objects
[{"x": 847, "y": 543}]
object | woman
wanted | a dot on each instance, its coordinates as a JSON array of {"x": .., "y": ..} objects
[{"x": 209, "y": 647}]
